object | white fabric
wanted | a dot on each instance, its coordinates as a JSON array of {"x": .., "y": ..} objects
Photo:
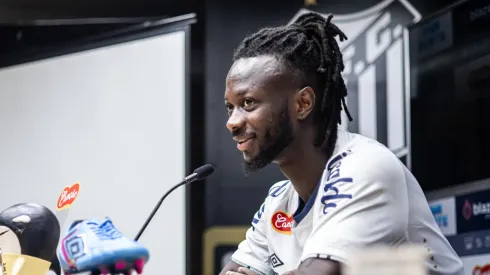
[{"x": 366, "y": 196}]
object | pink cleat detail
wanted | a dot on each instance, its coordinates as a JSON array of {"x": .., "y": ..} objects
[
  {"x": 104, "y": 270},
  {"x": 120, "y": 265},
  {"x": 138, "y": 265}
]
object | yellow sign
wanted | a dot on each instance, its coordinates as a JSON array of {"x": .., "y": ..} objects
[
  {"x": 310, "y": 2},
  {"x": 219, "y": 236},
  {"x": 16, "y": 264}
]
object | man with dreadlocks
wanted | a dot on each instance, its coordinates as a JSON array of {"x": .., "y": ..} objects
[{"x": 284, "y": 96}]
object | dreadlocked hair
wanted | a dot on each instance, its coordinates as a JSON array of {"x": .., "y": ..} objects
[{"x": 308, "y": 48}]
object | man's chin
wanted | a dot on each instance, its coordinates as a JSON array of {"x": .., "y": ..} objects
[
  {"x": 248, "y": 157},
  {"x": 254, "y": 165}
]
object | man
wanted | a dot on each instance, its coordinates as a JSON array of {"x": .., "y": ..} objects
[{"x": 284, "y": 96}]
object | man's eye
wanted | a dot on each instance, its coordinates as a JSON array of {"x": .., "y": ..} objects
[
  {"x": 248, "y": 102},
  {"x": 229, "y": 108}
]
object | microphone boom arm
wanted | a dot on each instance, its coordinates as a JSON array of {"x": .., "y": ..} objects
[
  {"x": 148, "y": 220},
  {"x": 200, "y": 173}
]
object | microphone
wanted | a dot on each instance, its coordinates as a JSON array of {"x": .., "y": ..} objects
[{"x": 199, "y": 174}]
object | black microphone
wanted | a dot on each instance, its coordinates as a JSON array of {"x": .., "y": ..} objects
[{"x": 199, "y": 174}]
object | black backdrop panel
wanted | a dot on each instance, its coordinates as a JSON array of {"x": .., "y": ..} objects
[{"x": 230, "y": 197}]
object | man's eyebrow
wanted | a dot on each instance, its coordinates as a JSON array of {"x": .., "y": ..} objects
[{"x": 239, "y": 92}]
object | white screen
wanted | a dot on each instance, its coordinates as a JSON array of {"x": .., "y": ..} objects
[{"x": 112, "y": 119}]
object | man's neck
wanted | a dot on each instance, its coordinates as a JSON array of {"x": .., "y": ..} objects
[{"x": 305, "y": 169}]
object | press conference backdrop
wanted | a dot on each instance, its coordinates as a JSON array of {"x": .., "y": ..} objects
[
  {"x": 112, "y": 118},
  {"x": 377, "y": 76}
]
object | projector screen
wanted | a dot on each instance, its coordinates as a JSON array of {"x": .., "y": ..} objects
[{"x": 112, "y": 119}]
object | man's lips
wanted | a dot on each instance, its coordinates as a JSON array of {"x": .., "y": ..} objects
[
  {"x": 244, "y": 140},
  {"x": 244, "y": 144}
]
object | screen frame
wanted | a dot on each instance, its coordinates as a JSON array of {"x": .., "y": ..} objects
[
  {"x": 433, "y": 15},
  {"x": 458, "y": 190},
  {"x": 124, "y": 34},
  {"x": 464, "y": 187},
  {"x": 135, "y": 32}
]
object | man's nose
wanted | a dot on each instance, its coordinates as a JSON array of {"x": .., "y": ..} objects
[{"x": 235, "y": 121}]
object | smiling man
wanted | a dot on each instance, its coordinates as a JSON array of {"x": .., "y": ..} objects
[{"x": 284, "y": 96}]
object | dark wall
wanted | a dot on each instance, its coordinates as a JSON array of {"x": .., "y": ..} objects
[
  {"x": 48, "y": 9},
  {"x": 230, "y": 197}
]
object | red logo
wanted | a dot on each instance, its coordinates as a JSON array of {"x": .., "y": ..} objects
[
  {"x": 68, "y": 196},
  {"x": 481, "y": 270},
  {"x": 467, "y": 210},
  {"x": 282, "y": 223}
]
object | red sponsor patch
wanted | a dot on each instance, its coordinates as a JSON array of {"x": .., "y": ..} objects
[
  {"x": 282, "y": 222},
  {"x": 481, "y": 270},
  {"x": 68, "y": 196}
]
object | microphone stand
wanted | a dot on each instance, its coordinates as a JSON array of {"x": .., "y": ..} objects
[{"x": 200, "y": 173}]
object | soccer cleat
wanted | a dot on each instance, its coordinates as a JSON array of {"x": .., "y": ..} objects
[{"x": 98, "y": 247}]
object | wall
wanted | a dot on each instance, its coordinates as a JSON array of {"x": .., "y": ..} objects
[
  {"x": 226, "y": 26},
  {"x": 232, "y": 199}
]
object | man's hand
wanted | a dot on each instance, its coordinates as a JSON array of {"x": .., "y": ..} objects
[{"x": 241, "y": 271}]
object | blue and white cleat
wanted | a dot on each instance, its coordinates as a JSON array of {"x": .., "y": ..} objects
[{"x": 98, "y": 247}]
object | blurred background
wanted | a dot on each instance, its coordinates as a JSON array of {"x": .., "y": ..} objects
[{"x": 418, "y": 74}]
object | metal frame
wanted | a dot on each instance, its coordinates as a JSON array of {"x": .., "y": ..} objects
[
  {"x": 124, "y": 34},
  {"x": 458, "y": 190},
  {"x": 216, "y": 236},
  {"x": 437, "y": 13}
]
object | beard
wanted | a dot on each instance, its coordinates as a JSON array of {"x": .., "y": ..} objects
[{"x": 278, "y": 136}]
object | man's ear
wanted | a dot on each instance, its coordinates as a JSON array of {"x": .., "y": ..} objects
[{"x": 305, "y": 102}]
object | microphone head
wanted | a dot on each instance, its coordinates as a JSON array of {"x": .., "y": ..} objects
[{"x": 204, "y": 171}]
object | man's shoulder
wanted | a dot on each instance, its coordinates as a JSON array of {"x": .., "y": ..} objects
[
  {"x": 359, "y": 144},
  {"x": 276, "y": 194},
  {"x": 279, "y": 190},
  {"x": 363, "y": 157}
]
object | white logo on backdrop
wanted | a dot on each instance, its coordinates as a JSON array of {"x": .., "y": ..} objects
[{"x": 377, "y": 71}]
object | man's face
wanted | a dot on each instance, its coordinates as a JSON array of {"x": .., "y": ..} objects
[{"x": 256, "y": 99}]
